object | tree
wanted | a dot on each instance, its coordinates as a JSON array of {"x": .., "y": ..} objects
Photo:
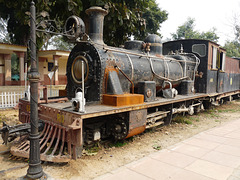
[
  {"x": 154, "y": 17},
  {"x": 4, "y": 36},
  {"x": 209, "y": 35},
  {"x": 186, "y": 31},
  {"x": 17, "y": 12},
  {"x": 131, "y": 17},
  {"x": 125, "y": 17},
  {"x": 233, "y": 47}
]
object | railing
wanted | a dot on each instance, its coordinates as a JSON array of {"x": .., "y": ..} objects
[
  {"x": 51, "y": 93},
  {"x": 11, "y": 99}
]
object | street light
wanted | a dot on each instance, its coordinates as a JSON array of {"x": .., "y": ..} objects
[{"x": 35, "y": 170}]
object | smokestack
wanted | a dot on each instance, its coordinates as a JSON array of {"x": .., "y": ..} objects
[{"x": 96, "y": 17}]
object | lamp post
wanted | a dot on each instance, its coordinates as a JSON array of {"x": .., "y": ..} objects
[{"x": 35, "y": 170}]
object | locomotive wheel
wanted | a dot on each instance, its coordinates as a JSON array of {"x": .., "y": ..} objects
[
  {"x": 207, "y": 104},
  {"x": 191, "y": 110},
  {"x": 197, "y": 109},
  {"x": 167, "y": 120},
  {"x": 119, "y": 129}
]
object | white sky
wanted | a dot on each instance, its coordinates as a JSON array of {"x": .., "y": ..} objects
[{"x": 207, "y": 14}]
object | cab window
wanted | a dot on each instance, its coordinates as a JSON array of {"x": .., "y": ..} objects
[
  {"x": 214, "y": 57},
  {"x": 199, "y": 49}
]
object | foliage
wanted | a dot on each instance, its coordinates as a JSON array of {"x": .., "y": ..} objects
[
  {"x": 17, "y": 12},
  {"x": 132, "y": 17},
  {"x": 125, "y": 18},
  {"x": 186, "y": 31},
  {"x": 233, "y": 47},
  {"x": 92, "y": 151},
  {"x": 153, "y": 16},
  {"x": 119, "y": 144},
  {"x": 209, "y": 35},
  {"x": 157, "y": 147},
  {"x": 183, "y": 120},
  {"x": 4, "y": 36}
]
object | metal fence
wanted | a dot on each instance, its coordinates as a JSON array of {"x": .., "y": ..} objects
[{"x": 11, "y": 99}]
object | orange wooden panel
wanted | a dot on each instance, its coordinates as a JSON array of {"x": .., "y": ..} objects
[{"x": 122, "y": 99}]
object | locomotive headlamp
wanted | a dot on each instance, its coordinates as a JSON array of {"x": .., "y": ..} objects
[
  {"x": 74, "y": 27},
  {"x": 77, "y": 69},
  {"x": 78, "y": 103}
]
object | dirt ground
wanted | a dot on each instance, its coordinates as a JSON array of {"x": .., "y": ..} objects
[{"x": 101, "y": 159}]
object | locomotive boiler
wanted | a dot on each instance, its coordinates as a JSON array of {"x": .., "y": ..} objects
[
  {"x": 116, "y": 93},
  {"x": 118, "y": 71}
]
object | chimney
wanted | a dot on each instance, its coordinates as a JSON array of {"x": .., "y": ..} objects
[{"x": 96, "y": 17}]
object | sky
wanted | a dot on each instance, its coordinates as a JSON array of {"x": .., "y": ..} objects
[{"x": 207, "y": 14}]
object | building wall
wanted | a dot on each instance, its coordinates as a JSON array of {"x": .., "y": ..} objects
[
  {"x": 56, "y": 57},
  {"x": 62, "y": 65},
  {"x": 43, "y": 69}
]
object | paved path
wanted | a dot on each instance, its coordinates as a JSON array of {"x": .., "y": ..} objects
[{"x": 211, "y": 155}]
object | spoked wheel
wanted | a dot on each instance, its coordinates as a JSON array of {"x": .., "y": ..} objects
[{"x": 119, "y": 129}]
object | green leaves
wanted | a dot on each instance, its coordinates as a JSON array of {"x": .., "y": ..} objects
[
  {"x": 186, "y": 31},
  {"x": 233, "y": 48},
  {"x": 130, "y": 18},
  {"x": 126, "y": 18}
]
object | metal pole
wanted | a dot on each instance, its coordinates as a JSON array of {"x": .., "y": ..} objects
[
  {"x": 51, "y": 87},
  {"x": 83, "y": 101},
  {"x": 25, "y": 76},
  {"x": 35, "y": 169}
]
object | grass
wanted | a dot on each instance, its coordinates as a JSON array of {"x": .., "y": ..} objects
[
  {"x": 228, "y": 110},
  {"x": 119, "y": 144},
  {"x": 210, "y": 113},
  {"x": 93, "y": 150},
  {"x": 183, "y": 120},
  {"x": 193, "y": 118},
  {"x": 157, "y": 147}
]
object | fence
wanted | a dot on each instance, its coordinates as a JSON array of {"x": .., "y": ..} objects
[{"x": 11, "y": 99}]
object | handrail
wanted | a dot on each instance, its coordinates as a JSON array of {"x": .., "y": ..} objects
[{"x": 126, "y": 78}]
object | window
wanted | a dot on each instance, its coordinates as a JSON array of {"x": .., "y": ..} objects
[
  {"x": 199, "y": 49},
  {"x": 15, "y": 74},
  {"x": 222, "y": 60},
  {"x": 214, "y": 57},
  {"x": 50, "y": 66}
]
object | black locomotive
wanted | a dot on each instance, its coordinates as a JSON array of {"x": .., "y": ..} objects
[
  {"x": 119, "y": 92},
  {"x": 110, "y": 70}
]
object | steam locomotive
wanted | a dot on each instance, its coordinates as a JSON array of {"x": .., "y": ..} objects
[{"x": 116, "y": 93}]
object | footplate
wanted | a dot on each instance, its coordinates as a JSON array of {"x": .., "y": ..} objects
[{"x": 56, "y": 144}]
